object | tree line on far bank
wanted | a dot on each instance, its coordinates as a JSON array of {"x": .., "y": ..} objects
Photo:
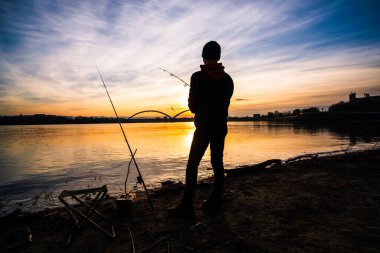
[
  {"x": 295, "y": 112},
  {"x": 43, "y": 119},
  {"x": 52, "y": 119},
  {"x": 368, "y": 106}
]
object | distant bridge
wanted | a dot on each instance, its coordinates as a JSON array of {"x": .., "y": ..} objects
[{"x": 159, "y": 112}]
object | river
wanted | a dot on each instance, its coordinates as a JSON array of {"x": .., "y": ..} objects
[{"x": 39, "y": 161}]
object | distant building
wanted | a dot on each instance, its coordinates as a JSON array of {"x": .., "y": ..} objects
[
  {"x": 367, "y": 97},
  {"x": 367, "y": 103},
  {"x": 256, "y": 116}
]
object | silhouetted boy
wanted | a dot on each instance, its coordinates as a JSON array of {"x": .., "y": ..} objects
[{"x": 209, "y": 98}]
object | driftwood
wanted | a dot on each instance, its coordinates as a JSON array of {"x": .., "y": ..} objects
[
  {"x": 316, "y": 155},
  {"x": 252, "y": 168}
]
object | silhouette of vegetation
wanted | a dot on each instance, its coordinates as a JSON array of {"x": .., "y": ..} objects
[
  {"x": 359, "y": 106},
  {"x": 295, "y": 112},
  {"x": 52, "y": 119},
  {"x": 42, "y": 119}
]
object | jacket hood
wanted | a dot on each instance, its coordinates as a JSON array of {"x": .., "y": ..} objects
[{"x": 213, "y": 70}]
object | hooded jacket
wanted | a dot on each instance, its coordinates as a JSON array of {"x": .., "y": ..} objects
[{"x": 210, "y": 92}]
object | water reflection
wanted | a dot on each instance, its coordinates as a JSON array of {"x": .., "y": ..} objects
[{"x": 78, "y": 156}]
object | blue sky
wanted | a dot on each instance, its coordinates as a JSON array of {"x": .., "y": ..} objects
[{"x": 281, "y": 54}]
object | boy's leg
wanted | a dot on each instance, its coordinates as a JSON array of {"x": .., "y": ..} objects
[
  {"x": 217, "y": 150},
  {"x": 197, "y": 150}
]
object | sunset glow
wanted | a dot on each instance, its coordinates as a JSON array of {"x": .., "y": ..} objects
[{"x": 281, "y": 54}]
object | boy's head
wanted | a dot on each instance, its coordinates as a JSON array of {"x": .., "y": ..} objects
[{"x": 211, "y": 51}]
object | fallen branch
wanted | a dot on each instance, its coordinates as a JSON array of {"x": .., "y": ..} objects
[
  {"x": 315, "y": 155},
  {"x": 300, "y": 157},
  {"x": 252, "y": 168}
]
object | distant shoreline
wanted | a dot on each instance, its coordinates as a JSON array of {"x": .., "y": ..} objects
[{"x": 319, "y": 117}]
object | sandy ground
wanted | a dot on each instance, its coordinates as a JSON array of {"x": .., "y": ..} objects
[{"x": 329, "y": 204}]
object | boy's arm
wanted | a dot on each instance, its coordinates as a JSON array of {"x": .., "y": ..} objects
[{"x": 193, "y": 100}]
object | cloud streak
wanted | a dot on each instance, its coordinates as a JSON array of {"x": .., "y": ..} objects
[{"x": 50, "y": 67}]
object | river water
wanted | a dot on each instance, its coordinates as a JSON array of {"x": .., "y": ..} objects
[{"x": 39, "y": 161}]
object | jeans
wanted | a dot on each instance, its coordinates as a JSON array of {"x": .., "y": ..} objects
[{"x": 205, "y": 134}]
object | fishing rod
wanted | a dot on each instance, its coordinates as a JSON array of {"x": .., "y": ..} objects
[
  {"x": 126, "y": 140},
  {"x": 171, "y": 74}
]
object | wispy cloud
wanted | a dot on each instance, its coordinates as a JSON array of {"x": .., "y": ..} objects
[{"x": 268, "y": 48}]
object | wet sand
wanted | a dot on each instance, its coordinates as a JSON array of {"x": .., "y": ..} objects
[{"x": 314, "y": 205}]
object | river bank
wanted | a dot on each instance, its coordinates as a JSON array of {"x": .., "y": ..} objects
[{"x": 314, "y": 205}]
